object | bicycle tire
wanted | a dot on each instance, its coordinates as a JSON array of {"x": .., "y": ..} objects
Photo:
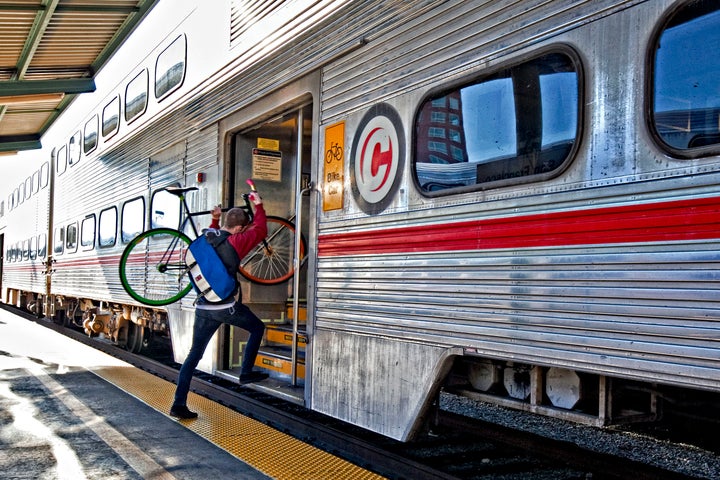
[
  {"x": 273, "y": 265},
  {"x": 152, "y": 267}
]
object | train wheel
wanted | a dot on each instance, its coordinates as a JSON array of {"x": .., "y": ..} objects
[
  {"x": 271, "y": 262},
  {"x": 152, "y": 267},
  {"x": 135, "y": 338}
]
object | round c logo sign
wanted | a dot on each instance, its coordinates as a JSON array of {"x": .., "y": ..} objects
[{"x": 378, "y": 154}]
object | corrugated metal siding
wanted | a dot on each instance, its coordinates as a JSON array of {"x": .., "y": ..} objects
[
  {"x": 301, "y": 43},
  {"x": 246, "y": 13},
  {"x": 446, "y": 41},
  {"x": 597, "y": 309},
  {"x": 645, "y": 311}
]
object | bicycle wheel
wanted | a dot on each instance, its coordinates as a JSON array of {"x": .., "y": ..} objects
[
  {"x": 152, "y": 267},
  {"x": 271, "y": 262}
]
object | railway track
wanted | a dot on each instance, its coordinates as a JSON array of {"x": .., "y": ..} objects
[{"x": 454, "y": 447}]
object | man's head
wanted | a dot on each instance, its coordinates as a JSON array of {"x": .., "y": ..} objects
[{"x": 236, "y": 217}]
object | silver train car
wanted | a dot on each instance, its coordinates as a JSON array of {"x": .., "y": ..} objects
[{"x": 516, "y": 201}]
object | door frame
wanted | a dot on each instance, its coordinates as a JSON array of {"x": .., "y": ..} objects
[{"x": 291, "y": 97}]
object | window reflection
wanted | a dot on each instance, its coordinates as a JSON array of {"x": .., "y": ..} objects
[
  {"x": 687, "y": 90},
  {"x": 170, "y": 68},
  {"x": 107, "y": 227},
  {"x": 518, "y": 123},
  {"x": 165, "y": 210},
  {"x": 133, "y": 219}
]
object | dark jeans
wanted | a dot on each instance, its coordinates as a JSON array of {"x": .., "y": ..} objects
[{"x": 206, "y": 323}]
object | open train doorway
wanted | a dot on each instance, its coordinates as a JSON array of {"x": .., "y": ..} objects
[
  {"x": 2, "y": 260},
  {"x": 276, "y": 155}
]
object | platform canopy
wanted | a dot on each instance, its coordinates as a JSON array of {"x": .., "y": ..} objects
[{"x": 50, "y": 51}]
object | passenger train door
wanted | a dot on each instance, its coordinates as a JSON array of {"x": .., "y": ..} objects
[
  {"x": 2, "y": 260},
  {"x": 275, "y": 152}
]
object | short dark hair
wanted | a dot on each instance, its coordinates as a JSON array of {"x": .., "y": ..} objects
[{"x": 236, "y": 217}]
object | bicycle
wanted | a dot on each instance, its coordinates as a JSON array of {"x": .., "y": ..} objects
[{"x": 152, "y": 266}]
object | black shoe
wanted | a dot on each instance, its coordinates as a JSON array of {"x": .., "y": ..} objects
[
  {"x": 253, "y": 377},
  {"x": 182, "y": 411}
]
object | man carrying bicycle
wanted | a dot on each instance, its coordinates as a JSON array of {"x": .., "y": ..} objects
[{"x": 242, "y": 235}]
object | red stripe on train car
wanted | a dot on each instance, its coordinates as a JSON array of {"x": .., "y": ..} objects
[{"x": 695, "y": 219}]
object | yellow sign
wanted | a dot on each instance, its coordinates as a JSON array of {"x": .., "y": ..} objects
[
  {"x": 334, "y": 166},
  {"x": 268, "y": 144}
]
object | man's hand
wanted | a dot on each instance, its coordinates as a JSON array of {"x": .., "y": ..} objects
[
  {"x": 216, "y": 212},
  {"x": 255, "y": 198}
]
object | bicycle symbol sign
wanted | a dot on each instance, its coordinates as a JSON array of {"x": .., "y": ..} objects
[
  {"x": 334, "y": 153},
  {"x": 378, "y": 157}
]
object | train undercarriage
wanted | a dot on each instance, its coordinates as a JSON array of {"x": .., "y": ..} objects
[{"x": 126, "y": 326}]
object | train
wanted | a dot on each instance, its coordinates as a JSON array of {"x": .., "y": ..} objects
[{"x": 512, "y": 201}]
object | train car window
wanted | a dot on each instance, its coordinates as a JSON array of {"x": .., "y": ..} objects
[
  {"x": 61, "y": 160},
  {"x": 71, "y": 238},
  {"x": 686, "y": 97},
  {"x": 170, "y": 68},
  {"x": 44, "y": 175},
  {"x": 36, "y": 181},
  {"x": 21, "y": 193},
  {"x": 25, "y": 249},
  {"x": 87, "y": 232},
  {"x": 42, "y": 245},
  {"x": 59, "y": 243},
  {"x": 107, "y": 227},
  {"x": 516, "y": 125},
  {"x": 90, "y": 135},
  {"x": 28, "y": 188},
  {"x": 111, "y": 118},
  {"x": 2, "y": 208},
  {"x": 165, "y": 210},
  {"x": 133, "y": 219},
  {"x": 74, "y": 149},
  {"x": 136, "y": 96},
  {"x": 33, "y": 248}
]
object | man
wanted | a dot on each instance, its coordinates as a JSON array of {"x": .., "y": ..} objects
[{"x": 208, "y": 317}]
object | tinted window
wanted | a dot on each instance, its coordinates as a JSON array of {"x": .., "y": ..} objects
[
  {"x": 71, "y": 237},
  {"x": 170, "y": 68},
  {"x": 61, "y": 160},
  {"x": 74, "y": 149},
  {"x": 36, "y": 182},
  {"x": 512, "y": 126},
  {"x": 133, "y": 219},
  {"x": 90, "y": 137},
  {"x": 136, "y": 96},
  {"x": 111, "y": 118},
  {"x": 87, "y": 232},
  {"x": 44, "y": 175},
  {"x": 59, "y": 240},
  {"x": 686, "y": 101},
  {"x": 42, "y": 245},
  {"x": 108, "y": 227}
]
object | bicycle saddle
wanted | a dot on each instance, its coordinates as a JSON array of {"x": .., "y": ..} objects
[{"x": 180, "y": 190}]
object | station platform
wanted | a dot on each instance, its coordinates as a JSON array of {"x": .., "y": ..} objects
[{"x": 68, "y": 411}]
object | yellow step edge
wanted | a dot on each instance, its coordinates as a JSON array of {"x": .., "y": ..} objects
[
  {"x": 279, "y": 365},
  {"x": 280, "y": 336}
]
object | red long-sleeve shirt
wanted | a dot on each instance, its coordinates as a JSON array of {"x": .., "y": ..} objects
[{"x": 250, "y": 236}]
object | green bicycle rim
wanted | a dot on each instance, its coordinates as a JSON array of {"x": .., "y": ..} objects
[{"x": 124, "y": 268}]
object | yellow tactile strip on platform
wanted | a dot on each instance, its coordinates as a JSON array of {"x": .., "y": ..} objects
[{"x": 274, "y": 453}]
